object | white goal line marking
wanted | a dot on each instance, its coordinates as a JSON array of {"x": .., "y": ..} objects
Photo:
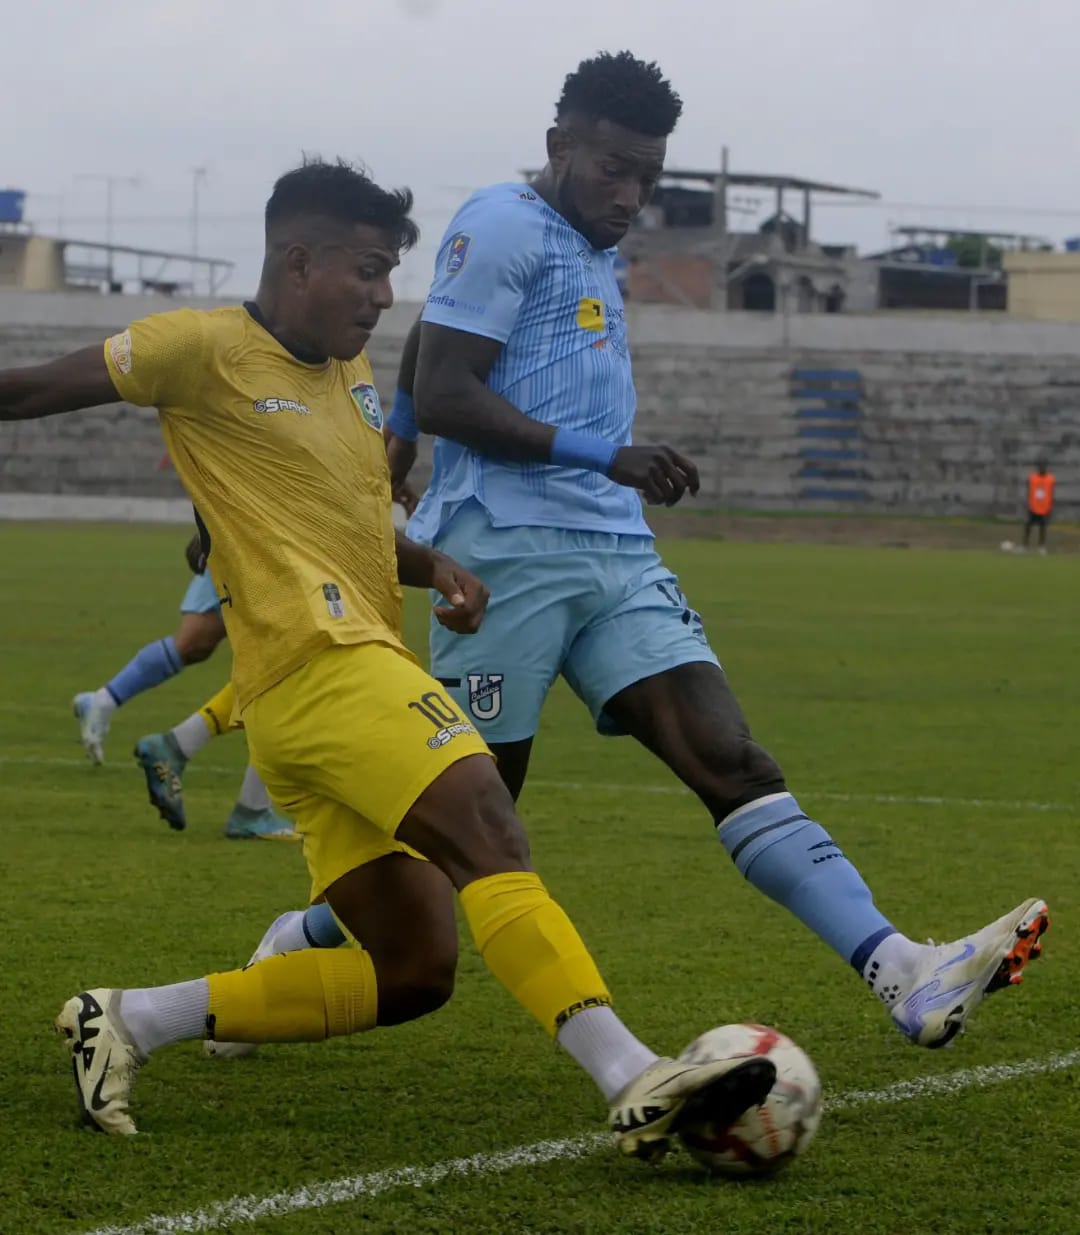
[
  {"x": 222, "y": 1214},
  {"x": 827, "y": 795}
]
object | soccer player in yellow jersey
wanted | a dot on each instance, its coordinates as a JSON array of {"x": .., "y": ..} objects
[{"x": 272, "y": 421}]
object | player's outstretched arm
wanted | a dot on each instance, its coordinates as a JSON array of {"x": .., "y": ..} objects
[
  {"x": 453, "y": 401},
  {"x": 78, "y": 380}
]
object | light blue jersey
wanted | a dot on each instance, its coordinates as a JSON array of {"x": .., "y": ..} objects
[{"x": 512, "y": 269}]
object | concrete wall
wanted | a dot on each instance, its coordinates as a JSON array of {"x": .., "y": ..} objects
[
  {"x": 938, "y": 415},
  {"x": 31, "y": 263},
  {"x": 1044, "y": 286}
]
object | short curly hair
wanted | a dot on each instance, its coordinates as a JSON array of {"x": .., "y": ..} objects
[
  {"x": 623, "y": 89},
  {"x": 344, "y": 193}
]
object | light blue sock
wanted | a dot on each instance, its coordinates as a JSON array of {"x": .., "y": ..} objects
[
  {"x": 797, "y": 863},
  {"x": 154, "y": 664},
  {"x": 320, "y": 927}
]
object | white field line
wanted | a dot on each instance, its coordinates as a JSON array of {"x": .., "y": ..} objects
[
  {"x": 223, "y": 1214},
  {"x": 828, "y": 795}
]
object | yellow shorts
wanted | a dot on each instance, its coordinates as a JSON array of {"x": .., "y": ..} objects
[{"x": 346, "y": 745}]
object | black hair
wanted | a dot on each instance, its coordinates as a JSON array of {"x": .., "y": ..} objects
[
  {"x": 344, "y": 193},
  {"x": 620, "y": 88}
]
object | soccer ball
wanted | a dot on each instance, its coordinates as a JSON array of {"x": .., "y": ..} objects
[
  {"x": 1007, "y": 546},
  {"x": 765, "y": 1138}
]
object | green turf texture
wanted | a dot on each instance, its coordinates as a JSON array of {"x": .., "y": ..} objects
[{"x": 868, "y": 672}]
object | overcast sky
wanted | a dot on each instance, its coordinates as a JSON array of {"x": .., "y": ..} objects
[{"x": 957, "y": 111}]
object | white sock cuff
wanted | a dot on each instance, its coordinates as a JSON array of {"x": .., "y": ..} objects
[
  {"x": 253, "y": 793},
  {"x": 157, "y": 1016},
  {"x": 756, "y": 804},
  {"x": 192, "y": 735}
]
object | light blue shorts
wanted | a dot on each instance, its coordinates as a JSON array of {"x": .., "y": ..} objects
[
  {"x": 201, "y": 595},
  {"x": 600, "y": 609}
]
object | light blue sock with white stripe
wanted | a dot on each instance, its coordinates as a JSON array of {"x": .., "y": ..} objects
[{"x": 796, "y": 862}]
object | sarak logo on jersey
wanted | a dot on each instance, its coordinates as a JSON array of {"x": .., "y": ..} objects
[
  {"x": 120, "y": 351},
  {"x": 366, "y": 398},
  {"x": 485, "y": 695},
  {"x": 457, "y": 252},
  {"x": 266, "y": 406}
]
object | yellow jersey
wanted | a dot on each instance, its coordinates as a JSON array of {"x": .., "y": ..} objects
[{"x": 286, "y": 466}]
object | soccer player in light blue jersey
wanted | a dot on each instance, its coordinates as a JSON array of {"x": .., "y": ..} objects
[
  {"x": 522, "y": 371},
  {"x": 524, "y": 377}
]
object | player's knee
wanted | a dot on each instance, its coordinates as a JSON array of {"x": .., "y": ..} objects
[
  {"x": 196, "y": 641},
  {"x": 196, "y": 653},
  {"x": 736, "y": 770},
  {"x": 414, "y": 988}
]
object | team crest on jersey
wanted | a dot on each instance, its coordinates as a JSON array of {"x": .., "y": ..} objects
[
  {"x": 485, "y": 695},
  {"x": 366, "y": 398},
  {"x": 458, "y": 251}
]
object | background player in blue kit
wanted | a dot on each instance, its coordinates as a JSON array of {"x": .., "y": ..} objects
[{"x": 200, "y": 631}]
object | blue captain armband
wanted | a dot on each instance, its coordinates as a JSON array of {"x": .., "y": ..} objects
[
  {"x": 402, "y": 420},
  {"x": 572, "y": 449}
]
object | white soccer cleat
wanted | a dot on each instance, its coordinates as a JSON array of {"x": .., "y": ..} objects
[
  {"x": 93, "y": 725},
  {"x": 103, "y": 1057},
  {"x": 237, "y": 1050},
  {"x": 671, "y": 1092},
  {"x": 952, "y": 979}
]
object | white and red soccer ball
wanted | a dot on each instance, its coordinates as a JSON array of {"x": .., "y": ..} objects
[{"x": 767, "y": 1137}]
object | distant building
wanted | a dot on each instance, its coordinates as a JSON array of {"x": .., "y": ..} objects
[
  {"x": 1044, "y": 287},
  {"x": 33, "y": 263},
  {"x": 681, "y": 249},
  {"x": 940, "y": 269},
  {"x": 30, "y": 263}
]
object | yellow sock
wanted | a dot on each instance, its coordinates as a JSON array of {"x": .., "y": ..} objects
[
  {"x": 218, "y": 712},
  {"x": 295, "y": 997},
  {"x": 532, "y": 947}
]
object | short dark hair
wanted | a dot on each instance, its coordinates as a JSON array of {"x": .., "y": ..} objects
[
  {"x": 620, "y": 88},
  {"x": 344, "y": 193}
]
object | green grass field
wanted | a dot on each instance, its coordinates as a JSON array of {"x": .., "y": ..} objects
[{"x": 926, "y": 709}]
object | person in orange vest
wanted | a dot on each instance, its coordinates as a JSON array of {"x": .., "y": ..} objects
[{"x": 1040, "y": 503}]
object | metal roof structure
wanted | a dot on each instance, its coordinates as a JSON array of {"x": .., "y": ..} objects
[
  {"x": 926, "y": 229},
  {"x": 758, "y": 180}
]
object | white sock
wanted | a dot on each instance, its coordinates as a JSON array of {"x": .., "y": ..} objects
[
  {"x": 160, "y": 1015},
  {"x": 253, "y": 793},
  {"x": 289, "y": 935},
  {"x": 890, "y": 967},
  {"x": 192, "y": 735},
  {"x": 605, "y": 1048},
  {"x": 105, "y": 701}
]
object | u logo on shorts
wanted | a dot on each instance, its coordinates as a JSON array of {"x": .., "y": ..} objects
[{"x": 485, "y": 695}]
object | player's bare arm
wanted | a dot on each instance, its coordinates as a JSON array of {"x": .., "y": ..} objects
[
  {"x": 421, "y": 567},
  {"x": 77, "y": 380},
  {"x": 453, "y": 401}
]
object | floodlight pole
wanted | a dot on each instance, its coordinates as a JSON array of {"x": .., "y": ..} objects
[{"x": 720, "y": 220}]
